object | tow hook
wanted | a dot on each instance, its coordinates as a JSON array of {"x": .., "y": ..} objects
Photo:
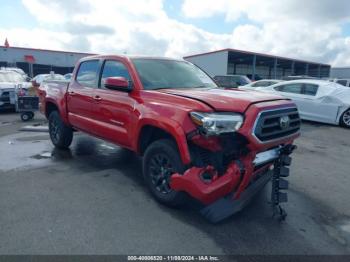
[{"x": 280, "y": 172}]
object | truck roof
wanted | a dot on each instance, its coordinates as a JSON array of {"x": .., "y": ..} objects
[{"x": 129, "y": 57}]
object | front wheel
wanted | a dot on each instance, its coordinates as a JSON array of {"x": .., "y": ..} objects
[
  {"x": 161, "y": 160},
  {"x": 61, "y": 135},
  {"x": 345, "y": 119}
]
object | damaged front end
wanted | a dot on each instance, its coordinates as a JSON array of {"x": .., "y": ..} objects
[{"x": 226, "y": 173}]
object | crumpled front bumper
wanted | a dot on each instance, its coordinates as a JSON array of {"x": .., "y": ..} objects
[
  {"x": 227, "y": 194},
  {"x": 205, "y": 185}
]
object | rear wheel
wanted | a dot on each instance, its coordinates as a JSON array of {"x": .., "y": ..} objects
[
  {"x": 161, "y": 160},
  {"x": 61, "y": 135},
  {"x": 345, "y": 119}
]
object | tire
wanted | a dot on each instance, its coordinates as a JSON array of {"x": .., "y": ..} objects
[
  {"x": 25, "y": 116},
  {"x": 61, "y": 135},
  {"x": 345, "y": 119},
  {"x": 162, "y": 159}
]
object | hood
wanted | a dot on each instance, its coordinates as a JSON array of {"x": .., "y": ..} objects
[
  {"x": 10, "y": 85},
  {"x": 236, "y": 100}
]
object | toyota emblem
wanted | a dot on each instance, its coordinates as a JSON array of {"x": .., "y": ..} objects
[{"x": 284, "y": 122}]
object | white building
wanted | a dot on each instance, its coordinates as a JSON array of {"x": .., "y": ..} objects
[
  {"x": 231, "y": 61},
  {"x": 39, "y": 61}
]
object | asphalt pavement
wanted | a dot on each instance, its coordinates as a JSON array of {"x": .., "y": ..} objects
[{"x": 92, "y": 200}]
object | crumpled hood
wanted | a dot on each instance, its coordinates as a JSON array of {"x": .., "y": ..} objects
[
  {"x": 10, "y": 85},
  {"x": 225, "y": 99}
]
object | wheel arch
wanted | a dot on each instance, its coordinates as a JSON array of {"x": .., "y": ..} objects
[
  {"x": 151, "y": 131},
  {"x": 50, "y": 107}
]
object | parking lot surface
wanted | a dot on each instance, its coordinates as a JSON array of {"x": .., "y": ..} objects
[{"x": 92, "y": 200}]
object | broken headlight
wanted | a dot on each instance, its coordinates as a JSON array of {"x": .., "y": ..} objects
[{"x": 217, "y": 123}]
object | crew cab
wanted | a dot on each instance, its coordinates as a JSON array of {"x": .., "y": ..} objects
[{"x": 197, "y": 140}]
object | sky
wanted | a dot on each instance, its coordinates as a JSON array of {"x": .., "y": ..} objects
[{"x": 316, "y": 30}]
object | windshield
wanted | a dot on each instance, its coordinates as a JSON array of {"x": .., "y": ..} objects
[
  {"x": 157, "y": 73},
  {"x": 12, "y": 77}
]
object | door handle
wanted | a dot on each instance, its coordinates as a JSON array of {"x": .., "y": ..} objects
[
  {"x": 97, "y": 98},
  {"x": 71, "y": 93}
]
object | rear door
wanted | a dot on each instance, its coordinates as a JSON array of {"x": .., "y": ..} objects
[
  {"x": 80, "y": 95},
  {"x": 113, "y": 109},
  {"x": 320, "y": 109},
  {"x": 310, "y": 106}
]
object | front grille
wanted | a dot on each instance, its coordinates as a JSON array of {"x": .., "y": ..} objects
[{"x": 269, "y": 127}]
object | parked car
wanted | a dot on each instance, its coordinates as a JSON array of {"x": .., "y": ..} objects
[
  {"x": 317, "y": 100},
  {"x": 38, "y": 79},
  {"x": 256, "y": 77},
  {"x": 231, "y": 81},
  {"x": 298, "y": 77},
  {"x": 15, "y": 69},
  {"x": 261, "y": 83},
  {"x": 9, "y": 80},
  {"x": 195, "y": 138},
  {"x": 343, "y": 82}
]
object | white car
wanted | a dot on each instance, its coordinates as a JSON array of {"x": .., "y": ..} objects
[
  {"x": 317, "y": 100},
  {"x": 9, "y": 80},
  {"x": 38, "y": 79},
  {"x": 343, "y": 82},
  {"x": 261, "y": 83}
]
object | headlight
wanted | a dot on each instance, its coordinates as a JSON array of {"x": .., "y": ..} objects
[{"x": 217, "y": 123}]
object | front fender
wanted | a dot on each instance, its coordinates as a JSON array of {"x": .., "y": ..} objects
[{"x": 170, "y": 126}]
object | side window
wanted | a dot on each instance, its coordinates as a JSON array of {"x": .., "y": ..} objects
[
  {"x": 114, "y": 69},
  {"x": 87, "y": 73},
  {"x": 310, "y": 90},
  {"x": 290, "y": 88},
  {"x": 342, "y": 82},
  {"x": 222, "y": 80},
  {"x": 262, "y": 84}
]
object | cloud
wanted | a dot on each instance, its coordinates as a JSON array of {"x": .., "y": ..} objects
[
  {"x": 78, "y": 28},
  {"x": 301, "y": 29},
  {"x": 324, "y": 11},
  {"x": 293, "y": 28}
]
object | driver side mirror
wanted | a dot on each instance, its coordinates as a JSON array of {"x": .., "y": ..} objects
[{"x": 118, "y": 83}]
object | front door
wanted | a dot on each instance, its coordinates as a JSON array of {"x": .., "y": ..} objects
[{"x": 113, "y": 109}]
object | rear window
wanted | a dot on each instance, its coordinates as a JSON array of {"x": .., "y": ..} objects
[
  {"x": 310, "y": 89},
  {"x": 342, "y": 82},
  {"x": 290, "y": 88},
  {"x": 87, "y": 73}
]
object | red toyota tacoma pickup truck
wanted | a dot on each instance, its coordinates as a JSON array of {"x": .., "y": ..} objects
[{"x": 217, "y": 146}]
